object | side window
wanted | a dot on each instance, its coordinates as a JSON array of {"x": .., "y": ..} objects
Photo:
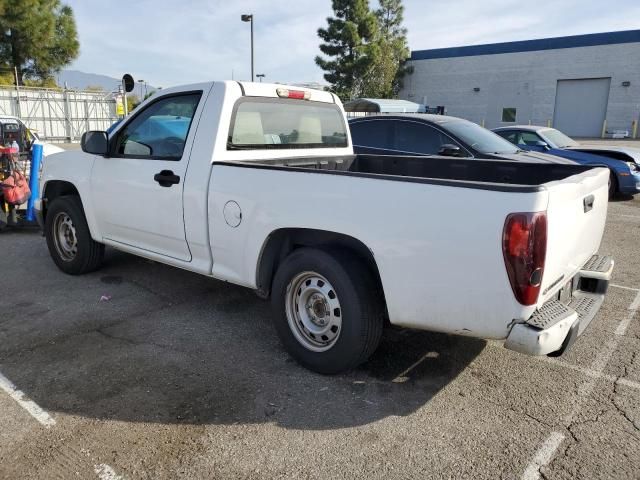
[
  {"x": 160, "y": 130},
  {"x": 371, "y": 133},
  {"x": 419, "y": 138},
  {"x": 529, "y": 138},
  {"x": 509, "y": 135}
]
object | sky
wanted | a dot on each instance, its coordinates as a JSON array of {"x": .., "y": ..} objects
[{"x": 169, "y": 42}]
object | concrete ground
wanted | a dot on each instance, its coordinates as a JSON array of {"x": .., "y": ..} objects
[{"x": 173, "y": 375}]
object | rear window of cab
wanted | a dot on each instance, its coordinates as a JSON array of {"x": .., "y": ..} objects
[{"x": 270, "y": 123}]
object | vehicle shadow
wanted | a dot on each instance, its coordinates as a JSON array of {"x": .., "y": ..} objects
[
  {"x": 621, "y": 197},
  {"x": 169, "y": 346}
]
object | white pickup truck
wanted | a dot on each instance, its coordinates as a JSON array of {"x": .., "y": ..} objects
[{"x": 257, "y": 185}]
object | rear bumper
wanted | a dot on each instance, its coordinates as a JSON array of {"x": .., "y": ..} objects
[{"x": 554, "y": 328}]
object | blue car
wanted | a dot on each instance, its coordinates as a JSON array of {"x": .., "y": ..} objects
[{"x": 625, "y": 171}]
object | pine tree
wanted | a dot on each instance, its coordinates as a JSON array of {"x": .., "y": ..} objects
[
  {"x": 37, "y": 37},
  {"x": 348, "y": 42},
  {"x": 385, "y": 78}
]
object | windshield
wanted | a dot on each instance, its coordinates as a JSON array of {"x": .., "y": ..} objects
[
  {"x": 558, "y": 139},
  {"x": 478, "y": 138},
  {"x": 263, "y": 123}
]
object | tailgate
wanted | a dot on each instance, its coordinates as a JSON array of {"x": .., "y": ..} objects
[{"x": 576, "y": 215}]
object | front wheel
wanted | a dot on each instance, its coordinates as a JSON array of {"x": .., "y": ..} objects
[
  {"x": 69, "y": 239},
  {"x": 327, "y": 309}
]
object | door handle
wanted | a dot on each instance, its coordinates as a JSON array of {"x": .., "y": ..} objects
[
  {"x": 588, "y": 203},
  {"x": 166, "y": 178}
]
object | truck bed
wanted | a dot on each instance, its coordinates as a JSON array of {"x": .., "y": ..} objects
[
  {"x": 573, "y": 197},
  {"x": 467, "y": 173}
]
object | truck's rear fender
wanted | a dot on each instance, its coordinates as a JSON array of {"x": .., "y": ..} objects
[{"x": 282, "y": 242}]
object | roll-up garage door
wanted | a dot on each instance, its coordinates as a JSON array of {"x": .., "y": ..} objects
[{"x": 581, "y": 106}]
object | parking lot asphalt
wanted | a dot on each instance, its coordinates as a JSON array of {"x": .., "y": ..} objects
[{"x": 145, "y": 371}]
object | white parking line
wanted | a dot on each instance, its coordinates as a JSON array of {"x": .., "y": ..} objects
[
  {"x": 577, "y": 368},
  {"x": 591, "y": 373},
  {"x": 29, "y": 405},
  {"x": 624, "y": 288},
  {"x": 402, "y": 377},
  {"x": 543, "y": 456},
  {"x": 105, "y": 472},
  {"x": 547, "y": 450},
  {"x": 633, "y": 308}
]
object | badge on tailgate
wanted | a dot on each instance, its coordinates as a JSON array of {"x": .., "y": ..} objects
[{"x": 588, "y": 203}]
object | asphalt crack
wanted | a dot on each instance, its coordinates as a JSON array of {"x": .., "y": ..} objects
[
  {"x": 521, "y": 412},
  {"x": 616, "y": 393}
]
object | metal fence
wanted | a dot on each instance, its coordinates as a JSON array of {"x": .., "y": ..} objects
[{"x": 59, "y": 115}]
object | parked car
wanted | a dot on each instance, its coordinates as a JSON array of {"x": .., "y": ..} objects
[
  {"x": 622, "y": 161},
  {"x": 262, "y": 189},
  {"x": 435, "y": 135}
]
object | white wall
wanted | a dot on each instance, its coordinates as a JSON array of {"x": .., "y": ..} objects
[{"x": 527, "y": 81}]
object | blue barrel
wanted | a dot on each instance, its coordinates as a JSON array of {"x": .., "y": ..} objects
[{"x": 34, "y": 180}]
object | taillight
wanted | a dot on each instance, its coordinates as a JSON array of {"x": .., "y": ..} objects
[
  {"x": 524, "y": 245},
  {"x": 295, "y": 94}
]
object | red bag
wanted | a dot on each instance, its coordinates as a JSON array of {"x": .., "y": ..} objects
[{"x": 15, "y": 188}]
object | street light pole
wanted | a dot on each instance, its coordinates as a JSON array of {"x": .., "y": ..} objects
[
  {"x": 141, "y": 94},
  {"x": 249, "y": 18}
]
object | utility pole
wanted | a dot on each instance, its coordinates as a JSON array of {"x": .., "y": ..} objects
[
  {"x": 15, "y": 71},
  {"x": 249, "y": 18},
  {"x": 124, "y": 99}
]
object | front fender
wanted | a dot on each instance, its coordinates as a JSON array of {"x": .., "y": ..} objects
[{"x": 73, "y": 167}]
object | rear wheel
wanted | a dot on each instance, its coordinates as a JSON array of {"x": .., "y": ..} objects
[
  {"x": 69, "y": 239},
  {"x": 327, "y": 310}
]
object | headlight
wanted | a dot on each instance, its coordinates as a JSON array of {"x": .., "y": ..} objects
[{"x": 633, "y": 166}]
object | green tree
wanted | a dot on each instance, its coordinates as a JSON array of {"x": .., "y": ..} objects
[
  {"x": 7, "y": 77},
  {"x": 132, "y": 101},
  {"x": 384, "y": 80},
  {"x": 37, "y": 37},
  {"x": 348, "y": 42}
]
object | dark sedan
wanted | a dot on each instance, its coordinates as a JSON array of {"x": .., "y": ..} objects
[{"x": 435, "y": 135}]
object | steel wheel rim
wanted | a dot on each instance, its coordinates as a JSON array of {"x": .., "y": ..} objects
[
  {"x": 313, "y": 311},
  {"x": 64, "y": 237}
]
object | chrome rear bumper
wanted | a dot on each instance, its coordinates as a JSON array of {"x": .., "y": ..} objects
[{"x": 552, "y": 329}]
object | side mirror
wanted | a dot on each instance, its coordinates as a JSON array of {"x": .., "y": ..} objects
[
  {"x": 541, "y": 144},
  {"x": 95, "y": 142},
  {"x": 450, "y": 150}
]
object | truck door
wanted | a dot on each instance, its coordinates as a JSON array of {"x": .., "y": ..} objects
[{"x": 137, "y": 190}]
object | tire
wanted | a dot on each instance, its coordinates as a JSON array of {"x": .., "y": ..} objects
[
  {"x": 68, "y": 238},
  {"x": 333, "y": 289},
  {"x": 613, "y": 185}
]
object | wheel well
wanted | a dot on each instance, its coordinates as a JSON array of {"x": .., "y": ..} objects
[
  {"x": 55, "y": 189},
  {"x": 282, "y": 242}
]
